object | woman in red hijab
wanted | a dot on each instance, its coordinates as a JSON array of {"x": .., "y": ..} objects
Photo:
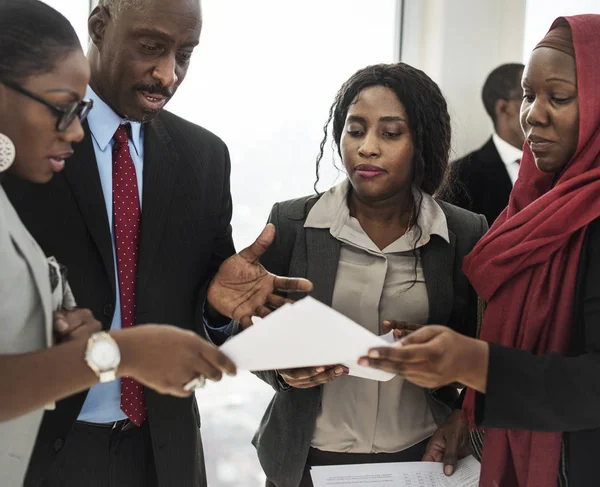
[{"x": 534, "y": 376}]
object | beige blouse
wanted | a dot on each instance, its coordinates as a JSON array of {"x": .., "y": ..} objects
[{"x": 372, "y": 285}]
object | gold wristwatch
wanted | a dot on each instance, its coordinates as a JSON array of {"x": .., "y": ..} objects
[{"x": 103, "y": 356}]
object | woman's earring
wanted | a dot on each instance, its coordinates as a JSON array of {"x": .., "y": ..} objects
[{"x": 7, "y": 152}]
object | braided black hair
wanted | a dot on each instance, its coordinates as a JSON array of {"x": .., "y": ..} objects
[{"x": 33, "y": 38}]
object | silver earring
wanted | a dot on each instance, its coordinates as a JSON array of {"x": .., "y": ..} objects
[{"x": 7, "y": 152}]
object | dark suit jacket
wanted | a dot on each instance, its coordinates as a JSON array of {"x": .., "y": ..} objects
[
  {"x": 480, "y": 182},
  {"x": 185, "y": 235},
  {"x": 552, "y": 392},
  {"x": 285, "y": 433}
]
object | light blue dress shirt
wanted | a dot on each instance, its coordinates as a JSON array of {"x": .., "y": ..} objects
[{"x": 103, "y": 403}]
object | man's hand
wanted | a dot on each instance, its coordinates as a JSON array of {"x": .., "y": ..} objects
[
  {"x": 71, "y": 325},
  {"x": 308, "y": 377},
  {"x": 243, "y": 288},
  {"x": 449, "y": 443},
  {"x": 165, "y": 358}
]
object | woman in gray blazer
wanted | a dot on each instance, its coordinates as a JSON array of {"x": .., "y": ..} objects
[
  {"x": 43, "y": 79},
  {"x": 378, "y": 247}
]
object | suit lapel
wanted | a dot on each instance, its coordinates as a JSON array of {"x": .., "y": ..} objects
[
  {"x": 160, "y": 170},
  {"x": 438, "y": 268},
  {"x": 36, "y": 261},
  {"x": 323, "y": 255},
  {"x": 84, "y": 179}
]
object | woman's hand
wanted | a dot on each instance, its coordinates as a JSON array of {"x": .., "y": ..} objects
[
  {"x": 71, "y": 325},
  {"x": 307, "y": 377},
  {"x": 401, "y": 328},
  {"x": 434, "y": 356},
  {"x": 165, "y": 358},
  {"x": 449, "y": 443}
]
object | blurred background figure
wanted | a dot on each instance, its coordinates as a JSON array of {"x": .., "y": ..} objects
[{"x": 482, "y": 180}]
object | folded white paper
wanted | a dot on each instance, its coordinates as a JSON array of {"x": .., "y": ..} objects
[
  {"x": 306, "y": 333},
  {"x": 421, "y": 474}
]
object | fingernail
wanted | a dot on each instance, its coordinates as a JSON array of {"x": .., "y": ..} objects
[
  {"x": 374, "y": 354},
  {"x": 338, "y": 371},
  {"x": 448, "y": 469},
  {"x": 320, "y": 369},
  {"x": 363, "y": 361}
]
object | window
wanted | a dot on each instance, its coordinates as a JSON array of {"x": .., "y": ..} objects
[
  {"x": 77, "y": 13},
  {"x": 540, "y": 14},
  {"x": 263, "y": 78}
]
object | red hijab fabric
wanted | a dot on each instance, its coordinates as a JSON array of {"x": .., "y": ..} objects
[{"x": 525, "y": 268}]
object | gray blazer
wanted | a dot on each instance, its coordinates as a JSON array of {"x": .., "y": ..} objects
[
  {"x": 284, "y": 435},
  {"x": 26, "y": 326}
]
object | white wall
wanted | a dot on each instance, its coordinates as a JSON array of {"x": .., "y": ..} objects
[
  {"x": 541, "y": 13},
  {"x": 458, "y": 43}
]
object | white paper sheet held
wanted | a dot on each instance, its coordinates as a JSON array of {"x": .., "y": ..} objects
[
  {"x": 306, "y": 333},
  {"x": 421, "y": 474}
]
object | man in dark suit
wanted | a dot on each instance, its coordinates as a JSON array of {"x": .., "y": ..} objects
[
  {"x": 482, "y": 180},
  {"x": 141, "y": 218}
]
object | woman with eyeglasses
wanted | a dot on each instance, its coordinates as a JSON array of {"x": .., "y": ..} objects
[{"x": 47, "y": 347}]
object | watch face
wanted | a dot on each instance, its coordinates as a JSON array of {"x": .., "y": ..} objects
[{"x": 104, "y": 355}]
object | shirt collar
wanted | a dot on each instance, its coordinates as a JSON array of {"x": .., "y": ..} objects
[
  {"x": 508, "y": 153},
  {"x": 104, "y": 122},
  {"x": 331, "y": 211}
]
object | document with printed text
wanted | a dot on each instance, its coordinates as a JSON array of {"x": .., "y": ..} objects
[{"x": 409, "y": 474}]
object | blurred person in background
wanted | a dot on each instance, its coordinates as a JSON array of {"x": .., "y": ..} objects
[{"x": 482, "y": 180}]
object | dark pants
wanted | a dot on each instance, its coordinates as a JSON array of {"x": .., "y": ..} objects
[
  {"x": 317, "y": 458},
  {"x": 101, "y": 456}
]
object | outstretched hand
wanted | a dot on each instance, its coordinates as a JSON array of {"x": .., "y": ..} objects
[
  {"x": 243, "y": 288},
  {"x": 434, "y": 356}
]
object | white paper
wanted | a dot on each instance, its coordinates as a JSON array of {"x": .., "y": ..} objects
[
  {"x": 409, "y": 474},
  {"x": 306, "y": 333}
]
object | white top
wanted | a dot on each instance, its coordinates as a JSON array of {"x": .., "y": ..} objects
[
  {"x": 509, "y": 155},
  {"x": 372, "y": 285}
]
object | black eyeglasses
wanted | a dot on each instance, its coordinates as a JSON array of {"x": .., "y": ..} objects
[{"x": 65, "y": 115}]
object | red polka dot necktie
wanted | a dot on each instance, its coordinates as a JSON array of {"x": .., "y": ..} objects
[{"x": 126, "y": 217}]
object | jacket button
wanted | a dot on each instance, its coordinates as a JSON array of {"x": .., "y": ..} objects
[
  {"x": 108, "y": 310},
  {"x": 58, "y": 444}
]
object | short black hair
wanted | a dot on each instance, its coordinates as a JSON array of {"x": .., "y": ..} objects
[
  {"x": 33, "y": 38},
  {"x": 428, "y": 118},
  {"x": 501, "y": 84}
]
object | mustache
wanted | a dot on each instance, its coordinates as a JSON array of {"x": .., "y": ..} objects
[{"x": 156, "y": 90}]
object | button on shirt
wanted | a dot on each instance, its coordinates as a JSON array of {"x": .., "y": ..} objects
[
  {"x": 103, "y": 403},
  {"x": 372, "y": 285},
  {"x": 510, "y": 156}
]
